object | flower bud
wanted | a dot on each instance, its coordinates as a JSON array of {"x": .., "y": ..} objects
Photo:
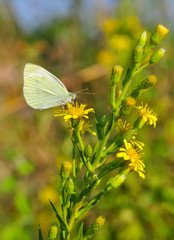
[
  {"x": 66, "y": 169},
  {"x": 96, "y": 226},
  {"x": 127, "y": 105},
  {"x": 142, "y": 40},
  {"x": 156, "y": 56},
  {"x": 116, "y": 73},
  {"x": 118, "y": 93},
  {"x": 70, "y": 186},
  {"x": 148, "y": 82},
  {"x": 103, "y": 120},
  {"x": 136, "y": 92},
  {"x": 118, "y": 179},
  {"x": 53, "y": 232},
  {"x": 130, "y": 102},
  {"x": 137, "y": 54},
  {"x": 159, "y": 33},
  {"x": 88, "y": 151}
]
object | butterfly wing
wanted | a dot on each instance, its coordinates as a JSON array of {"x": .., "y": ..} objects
[{"x": 42, "y": 89}]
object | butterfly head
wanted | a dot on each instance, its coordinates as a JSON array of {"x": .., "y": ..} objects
[{"x": 73, "y": 96}]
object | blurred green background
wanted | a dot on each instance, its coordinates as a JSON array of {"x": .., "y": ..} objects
[{"x": 79, "y": 41}]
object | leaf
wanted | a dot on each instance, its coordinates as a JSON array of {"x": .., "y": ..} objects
[
  {"x": 110, "y": 167},
  {"x": 80, "y": 233},
  {"x": 82, "y": 156},
  {"x": 62, "y": 223},
  {"x": 40, "y": 233}
]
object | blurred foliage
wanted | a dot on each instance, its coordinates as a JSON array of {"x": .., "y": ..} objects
[{"x": 33, "y": 143}]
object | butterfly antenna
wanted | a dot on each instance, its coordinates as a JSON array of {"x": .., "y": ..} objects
[{"x": 82, "y": 91}]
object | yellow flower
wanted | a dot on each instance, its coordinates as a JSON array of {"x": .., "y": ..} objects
[
  {"x": 74, "y": 112},
  {"x": 122, "y": 127},
  {"x": 147, "y": 114},
  {"x": 136, "y": 143},
  {"x": 85, "y": 126},
  {"x": 132, "y": 155},
  {"x": 159, "y": 33},
  {"x": 130, "y": 102},
  {"x": 162, "y": 30}
]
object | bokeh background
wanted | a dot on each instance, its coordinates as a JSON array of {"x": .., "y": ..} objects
[{"x": 79, "y": 41}]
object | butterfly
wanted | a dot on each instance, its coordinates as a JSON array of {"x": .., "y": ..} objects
[{"x": 43, "y": 90}]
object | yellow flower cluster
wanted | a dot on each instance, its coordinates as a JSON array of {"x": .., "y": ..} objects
[
  {"x": 147, "y": 115},
  {"x": 74, "y": 112},
  {"x": 123, "y": 127},
  {"x": 133, "y": 156}
]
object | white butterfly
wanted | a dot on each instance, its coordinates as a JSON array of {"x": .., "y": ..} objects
[{"x": 43, "y": 90}]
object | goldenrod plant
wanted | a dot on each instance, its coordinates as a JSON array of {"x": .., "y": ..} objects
[{"x": 114, "y": 136}]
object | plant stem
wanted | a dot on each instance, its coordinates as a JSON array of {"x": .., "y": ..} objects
[
  {"x": 80, "y": 140},
  {"x": 142, "y": 67},
  {"x": 74, "y": 160}
]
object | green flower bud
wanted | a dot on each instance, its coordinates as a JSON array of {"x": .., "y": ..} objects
[
  {"x": 159, "y": 33},
  {"x": 117, "y": 181},
  {"x": 70, "y": 186},
  {"x": 88, "y": 151},
  {"x": 145, "y": 84},
  {"x": 137, "y": 54},
  {"x": 119, "y": 178},
  {"x": 53, "y": 232},
  {"x": 66, "y": 169},
  {"x": 96, "y": 226},
  {"x": 156, "y": 56},
  {"x": 103, "y": 120},
  {"x": 142, "y": 40},
  {"x": 136, "y": 93},
  {"x": 116, "y": 73},
  {"x": 127, "y": 105},
  {"x": 148, "y": 82}
]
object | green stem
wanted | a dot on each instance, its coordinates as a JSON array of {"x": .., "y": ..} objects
[
  {"x": 147, "y": 51},
  {"x": 73, "y": 216},
  {"x": 74, "y": 160},
  {"x": 104, "y": 141},
  {"x": 142, "y": 67},
  {"x": 87, "y": 206},
  {"x": 126, "y": 83},
  {"x": 80, "y": 140},
  {"x": 129, "y": 76},
  {"x": 112, "y": 95}
]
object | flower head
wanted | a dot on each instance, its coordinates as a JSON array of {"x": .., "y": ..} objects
[
  {"x": 130, "y": 102},
  {"x": 122, "y": 127},
  {"x": 148, "y": 82},
  {"x": 74, "y": 112},
  {"x": 136, "y": 143},
  {"x": 132, "y": 155},
  {"x": 85, "y": 126},
  {"x": 159, "y": 33},
  {"x": 147, "y": 114},
  {"x": 161, "y": 30}
]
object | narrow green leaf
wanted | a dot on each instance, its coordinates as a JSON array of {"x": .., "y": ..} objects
[
  {"x": 40, "y": 233},
  {"x": 62, "y": 223},
  {"x": 80, "y": 233},
  {"x": 83, "y": 211},
  {"x": 82, "y": 156},
  {"x": 110, "y": 167}
]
